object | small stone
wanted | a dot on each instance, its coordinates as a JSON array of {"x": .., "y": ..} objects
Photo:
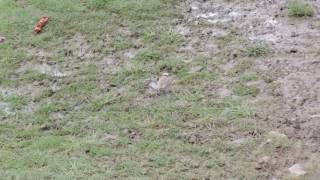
[
  {"x": 195, "y": 69},
  {"x": 51, "y": 62},
  {"x": 264, "y": 160},
  {"x": 239, "y": 142},
  {"x": 276, "y": 139},
  {"x": 294, "y": 34},
  {"x": 293, "y": 50},
  {"x": 125, "y": 131},
  {"x": 110, "y": 137},
  {"x": 37, "y": 83},
  {"x": 195, "y": 165},
  {"x": 258, "y": 166},
  {"x": 224, "y": 92},
  {"x": 276, "y": 134},
  {"x": 297, "y": 170},
  {"x": 45, "y": 127},
  {"x": 2, "y": 39},
  {"x": 190, "y": 125},
  {"x": 268, "y": 141}
]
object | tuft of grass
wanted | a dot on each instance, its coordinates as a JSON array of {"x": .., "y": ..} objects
[
  {"x": 159, "y": 160},
  {"x": 148, "y": 55},
  {"x": 258, "y": 50},
  {"x": 98, "y": 150},
  {"x": 245, "y": 90},
  {"x": 299, "y": 8},
  {"x": 98, "y": 4},
  {"x": 45, "y": 143},
  {"x": 250, "y": 77},
  {"x": 16, "y": 102},
  {"x": 58, "y": 5}
]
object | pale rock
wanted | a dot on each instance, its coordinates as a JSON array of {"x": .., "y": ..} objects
[
  {"x": 264, "y": 159},
  {"x": 276, "y": 134},
  {"x": 297, "y": 170},
  {"x": 2, "y": 39},
  {"x": 195, "y": 69}
]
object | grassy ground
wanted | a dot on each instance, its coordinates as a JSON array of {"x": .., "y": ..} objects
[{"x": 76, "y": 103}]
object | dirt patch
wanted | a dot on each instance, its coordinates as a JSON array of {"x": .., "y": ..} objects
[
  {"x": 291, "y": 94},
  {"x": 293, "y": 41},
  {"x": 27, "y": 90},
  {"x": 129, "y": 54},
  {"x": 79, "y": 47},
  {"x": 42, "y": 55},
  {"x": 43, "y": 69},
  {"x": 133, "y": 134},
  {"x": 5, "y": 108}
]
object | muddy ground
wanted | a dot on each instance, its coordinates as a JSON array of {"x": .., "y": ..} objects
[
  {"x": 292, "y": 90},
  {"x": 289, "y": 96}
]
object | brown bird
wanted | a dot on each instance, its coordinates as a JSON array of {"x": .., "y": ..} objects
[{"x": 163, "y": 84}]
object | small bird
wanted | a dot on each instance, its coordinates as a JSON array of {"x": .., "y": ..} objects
[{"x": 163, "y": 84}]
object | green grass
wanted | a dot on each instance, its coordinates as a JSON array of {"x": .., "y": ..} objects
[
  {"x": 102, "y": 121},
  {"x": 148, "y": 55},
  {"x": 299, "y": 8},
  {"x": 244, "y": 90},
  {"x": 258, "y": 50},
  {"x": 16, "y": 102}
]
